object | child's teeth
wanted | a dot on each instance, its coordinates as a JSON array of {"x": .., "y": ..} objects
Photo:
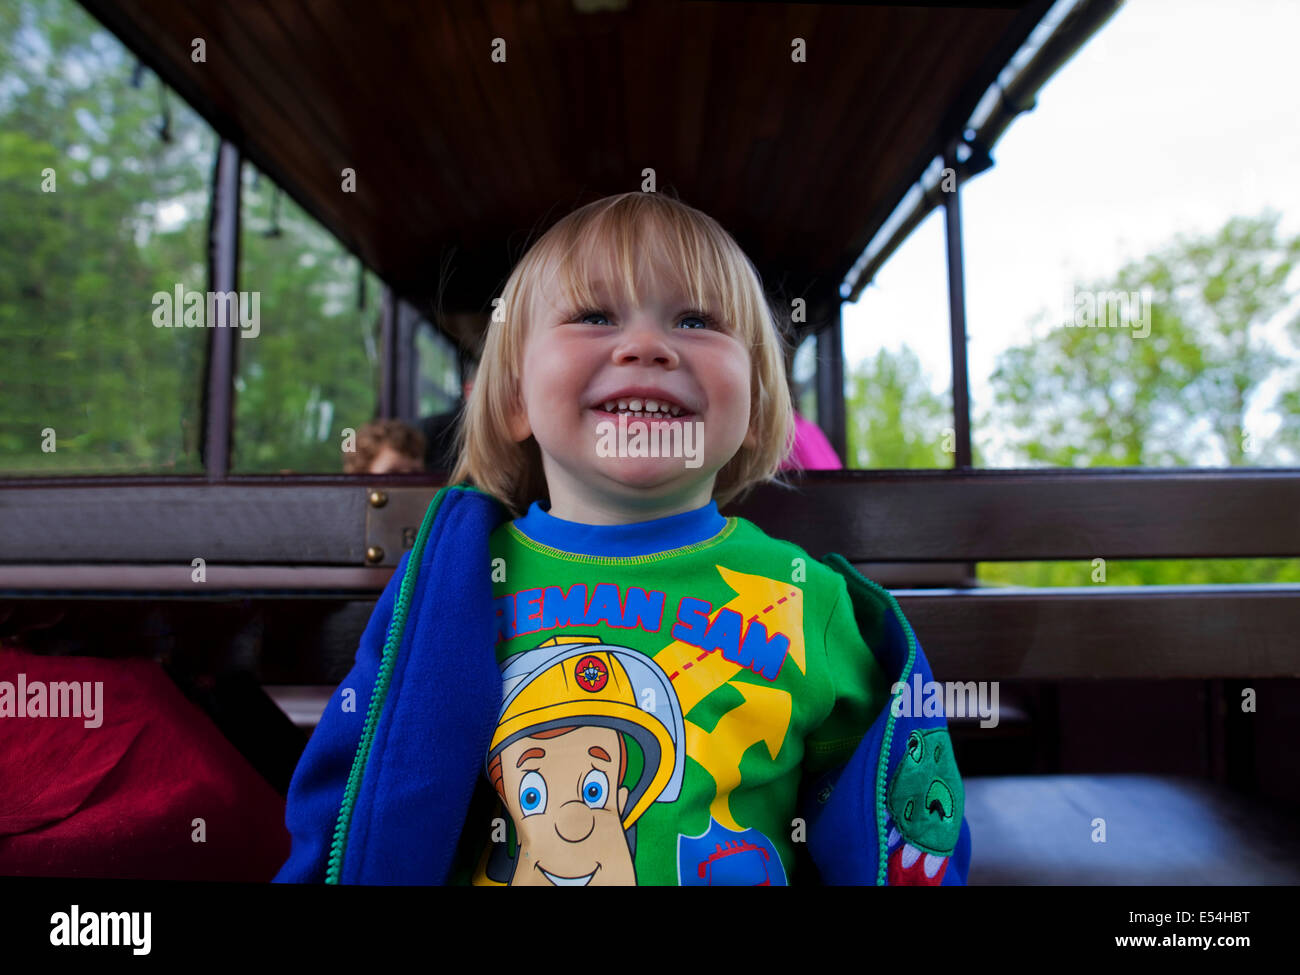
[{"x": 642, "y": 408}]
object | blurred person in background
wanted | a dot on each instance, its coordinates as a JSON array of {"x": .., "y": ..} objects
[
  {"x": 386, "y": 447},
  {"x": 812, "y": 451}
]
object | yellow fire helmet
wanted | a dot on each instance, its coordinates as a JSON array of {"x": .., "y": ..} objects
[{"x": 577, "y": 681}]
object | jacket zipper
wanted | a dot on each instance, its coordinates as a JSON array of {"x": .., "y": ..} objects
[
  {"x": 396, "y": 626},
  {"x": 882, "y": 769}
]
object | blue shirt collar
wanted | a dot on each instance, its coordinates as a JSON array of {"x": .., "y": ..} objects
[{"x": 637, "y": 538}]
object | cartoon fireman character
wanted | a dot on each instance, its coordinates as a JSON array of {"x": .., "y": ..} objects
[
  {"x": 925, "y": 803},
  {"x": 558, "y": 758}
]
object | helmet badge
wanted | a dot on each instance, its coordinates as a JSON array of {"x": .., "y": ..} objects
[{"x": 591, "y": 673}]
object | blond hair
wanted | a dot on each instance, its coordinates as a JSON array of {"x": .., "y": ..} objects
[{"x": 712, "y": 269}]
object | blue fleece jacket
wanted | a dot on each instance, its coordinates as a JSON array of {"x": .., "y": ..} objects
[{"x": 371, "y": 802}]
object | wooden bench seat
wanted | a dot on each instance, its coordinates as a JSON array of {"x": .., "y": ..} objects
[
  {"x": 293, "y": 575},
  {"x": 1161, "y": 830}
]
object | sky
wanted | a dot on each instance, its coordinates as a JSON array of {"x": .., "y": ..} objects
[{"x": 1176, "y": 116}]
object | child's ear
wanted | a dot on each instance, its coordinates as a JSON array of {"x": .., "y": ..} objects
[{"x": 520, "y": 428}]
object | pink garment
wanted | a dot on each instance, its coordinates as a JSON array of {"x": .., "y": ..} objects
[{"x": 811, "y": 451}]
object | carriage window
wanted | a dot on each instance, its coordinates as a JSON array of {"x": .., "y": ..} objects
[
  {"x": 1134, "y": 300},
  {"x": 438, "y": 385},
  {"x": 311, "y": 371},
  {"x": 1131, "y": 297},
  {"x": 804, "y": 379},
  {"x": 104, "y": 181},
  {"x": 897, "y": 360}
]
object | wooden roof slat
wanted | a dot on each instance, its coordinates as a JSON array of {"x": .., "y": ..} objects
[
  {"x": 349, "y": 87},
  {"x": 295, "y": 148},
  {"x": 421, "y": 125},
  {"x": 484, "y": 138},
  {"x": 310, "y": 141},
  {"x": 774, "y": 110},
  {"x": 840, "y": 96},
  {"x": 757, "y": 61},
  {"x": 693, "y": 45},
  {"x": 442, "y": 120},
  {"x": 524, "y": 80},
  {"x": 462, "y": 160},
  {"x": 891, "y": 125}
]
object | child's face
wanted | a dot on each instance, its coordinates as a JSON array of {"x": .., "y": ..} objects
[
  {"x": 390, "y": 461},
  {"x": 573, "y": 364}
]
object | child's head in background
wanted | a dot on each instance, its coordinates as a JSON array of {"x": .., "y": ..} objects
[
  {"x": 635, "y": 290},
  {"x": 386, "y": 447}
]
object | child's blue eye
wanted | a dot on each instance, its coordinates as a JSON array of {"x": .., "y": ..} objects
[
  {"x": 595, "y": 787},
  {"x": 532, "y": 794},
  {"x": 706, "y": 321}
]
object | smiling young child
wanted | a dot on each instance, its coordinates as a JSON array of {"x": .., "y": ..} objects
[{"x": 584, "y": 673}]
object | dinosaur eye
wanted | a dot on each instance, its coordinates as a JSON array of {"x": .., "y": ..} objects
[
  {"x": 532, "y": 794},
  {"x": 915, "y": 746},
  {"x": 595, "y": 787}
]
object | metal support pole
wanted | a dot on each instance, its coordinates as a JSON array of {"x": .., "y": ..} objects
[
  {"x": 407, "y": 362},
  {"x": 830, "y": 381},
  {"x": 957, "y": 312},
  {"x": 223, "y": 277},
  {"x": 388, "y": 355}
]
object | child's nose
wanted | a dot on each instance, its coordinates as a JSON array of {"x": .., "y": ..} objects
[{"x": 644, "y": 339}]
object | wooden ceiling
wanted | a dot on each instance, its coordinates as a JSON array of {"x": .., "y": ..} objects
[{"x": 461, "y": 158}]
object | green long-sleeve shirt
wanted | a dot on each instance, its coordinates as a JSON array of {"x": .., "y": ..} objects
[{"x": 665, "y": 686}]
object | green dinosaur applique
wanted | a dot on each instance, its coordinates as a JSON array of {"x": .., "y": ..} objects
[{"x": 926, "y": 797}]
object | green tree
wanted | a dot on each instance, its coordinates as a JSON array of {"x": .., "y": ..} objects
[
  {"x": 1090, "y": 397},
  {"x": 127, "y": 218},
  {"x": 893, "y": 419},
  {"x": 100, "y": 213},
  {"x": 313, "y": 370}
]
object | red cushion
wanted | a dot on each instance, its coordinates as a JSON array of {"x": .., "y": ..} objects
[{"x": 120, "y": 800}]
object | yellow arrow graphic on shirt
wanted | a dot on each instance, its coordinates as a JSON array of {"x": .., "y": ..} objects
[
  {"x": 764, "y": 716},
  {"x": 765, "y": 713}
]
